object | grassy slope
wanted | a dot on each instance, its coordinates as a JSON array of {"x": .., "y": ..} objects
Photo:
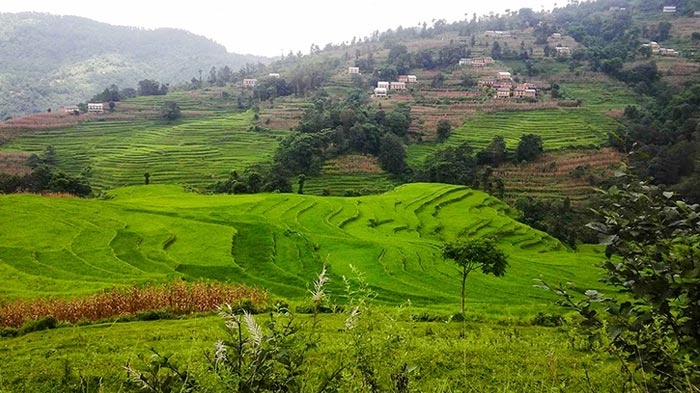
[
  {"x": 474, "y": 357},
  {"x": 278, "y": 241}
]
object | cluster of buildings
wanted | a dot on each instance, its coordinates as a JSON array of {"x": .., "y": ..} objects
[
  {"x": 252, "y": 82},
  {"x": 382, "y": 89},
  {"x": 476, "y": 61},
  {"x": 657, "y": 49},
  {"x": 506, "y": 88}
]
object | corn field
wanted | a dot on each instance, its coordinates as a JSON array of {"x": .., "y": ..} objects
[{"x": 177, "y": 297}]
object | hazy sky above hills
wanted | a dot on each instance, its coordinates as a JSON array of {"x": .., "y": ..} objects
[{"x": 274, "y": 27}]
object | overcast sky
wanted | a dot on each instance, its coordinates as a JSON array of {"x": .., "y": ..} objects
[{"x": 273, "y": 27}]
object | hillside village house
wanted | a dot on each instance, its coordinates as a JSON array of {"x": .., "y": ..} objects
[
  {"x": 668, "y": 52},
  {"x": 95, "y": 108},
  {"x": 503, "y": 93},
  {"x": 696, "y": 14},
  {"x": 655, "y": 47},
  {"x": 669, "y": 10},
  {"x": 397, "y": 85},
  {"x": 408, "y": 79},
  {"x": 71, "y": 109},
  {"x": 250, "y": 82},
  {"x": 525, "y": 93},
  {"x": 563, "y": 51},
  {"x": 477, "y": 61},
  {"x": 383, "y": 85},
  {"x": 274, "y": 75},
  {"x": 504, "y": 75},
  {"x": 380, "y": 92},
  {"x": 555, "y": 36},
  {"x": 495, "y": 33},
  {"x": 353, "y": 70}
]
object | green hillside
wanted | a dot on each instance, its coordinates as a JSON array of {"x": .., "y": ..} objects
[
  {"x": 49, "y": 61},
  {"x": 195, "y": 151},
  {"x": 278, "y": 241}
]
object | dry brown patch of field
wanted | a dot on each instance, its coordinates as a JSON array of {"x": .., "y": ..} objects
[
  {"x": 352, "y": 164},
  {"x": 14, "y": 163},
  {"x": 559, "y": 174}
]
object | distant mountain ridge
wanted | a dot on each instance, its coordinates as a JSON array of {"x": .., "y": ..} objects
[{"x": 48, "y": 61}]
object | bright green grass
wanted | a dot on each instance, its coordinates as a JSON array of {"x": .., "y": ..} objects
[
  {"x": 194, "y": 151},
  {"x": 559, "y": 129},
  {"x": 471, "y": 357},
  {"x": 279, "y": 241}
]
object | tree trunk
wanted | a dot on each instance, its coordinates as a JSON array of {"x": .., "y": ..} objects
[{"x": 464, "y": 280}]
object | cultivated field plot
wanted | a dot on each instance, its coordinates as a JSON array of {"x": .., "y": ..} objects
[
  {"x": 565, "y": 174},
  {"x": 280, "y": 242},
  {"x": 559, "y": 129},
  {"x": 118, "y": 153}
]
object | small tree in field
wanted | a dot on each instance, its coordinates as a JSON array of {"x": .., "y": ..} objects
[
  {"x": 476, "y": 254},
  {"x": 444, "y": 129}
]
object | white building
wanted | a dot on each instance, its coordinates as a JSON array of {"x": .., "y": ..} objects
[
  {"x": 353, "y": 70},
  {"x": 556, "y": 36},
  {"x": 250, "y": 82},
  {"x": 383, "y": 85},
  {"x": 95, "y": 108},
  {"x": 669, "y": 10},
  {"x": 408, "y": 78},
  {"x": 563, "y": 51},
  {"x": 380, "y": 92},
  {"x": 274, "y": 75},
  {"x": 397, "y": 85},
  {"x": 71, "y": 109}
]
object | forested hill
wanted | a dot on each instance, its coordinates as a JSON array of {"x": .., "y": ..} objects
[{"x": 48, "y": 61}]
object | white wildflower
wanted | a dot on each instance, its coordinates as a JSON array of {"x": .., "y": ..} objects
[
  {"x": 318, "y": 294},
  {"x": 226, "y": 312},
  {"x": 352, "y": 319},
  {"x": 253, "y": 329},
  {"x": 220, "y": 352}
]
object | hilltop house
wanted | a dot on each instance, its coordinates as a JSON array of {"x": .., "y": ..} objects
[
  {"x": 397, "y": 85},
  {"x": 383, "y": 85},
  {"x": 669, "y": 9},
  {"x": 95, "y": 108},
  {"x": 250, "y": 82},
  {"x": 380, "y": 92},
  {"x": 353, "y": 70},
  {"x": 504, "y": 75}
]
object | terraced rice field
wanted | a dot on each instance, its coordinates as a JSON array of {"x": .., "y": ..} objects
[
  {"x": 194, "y": 151},
  {"x": 559, "y": 128},
  {"x": 279, "y": 241}
]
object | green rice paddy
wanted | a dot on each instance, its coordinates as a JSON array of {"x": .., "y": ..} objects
[
  {"x": 559, "y": 129},
  {"x": 279, "y": 242}
]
